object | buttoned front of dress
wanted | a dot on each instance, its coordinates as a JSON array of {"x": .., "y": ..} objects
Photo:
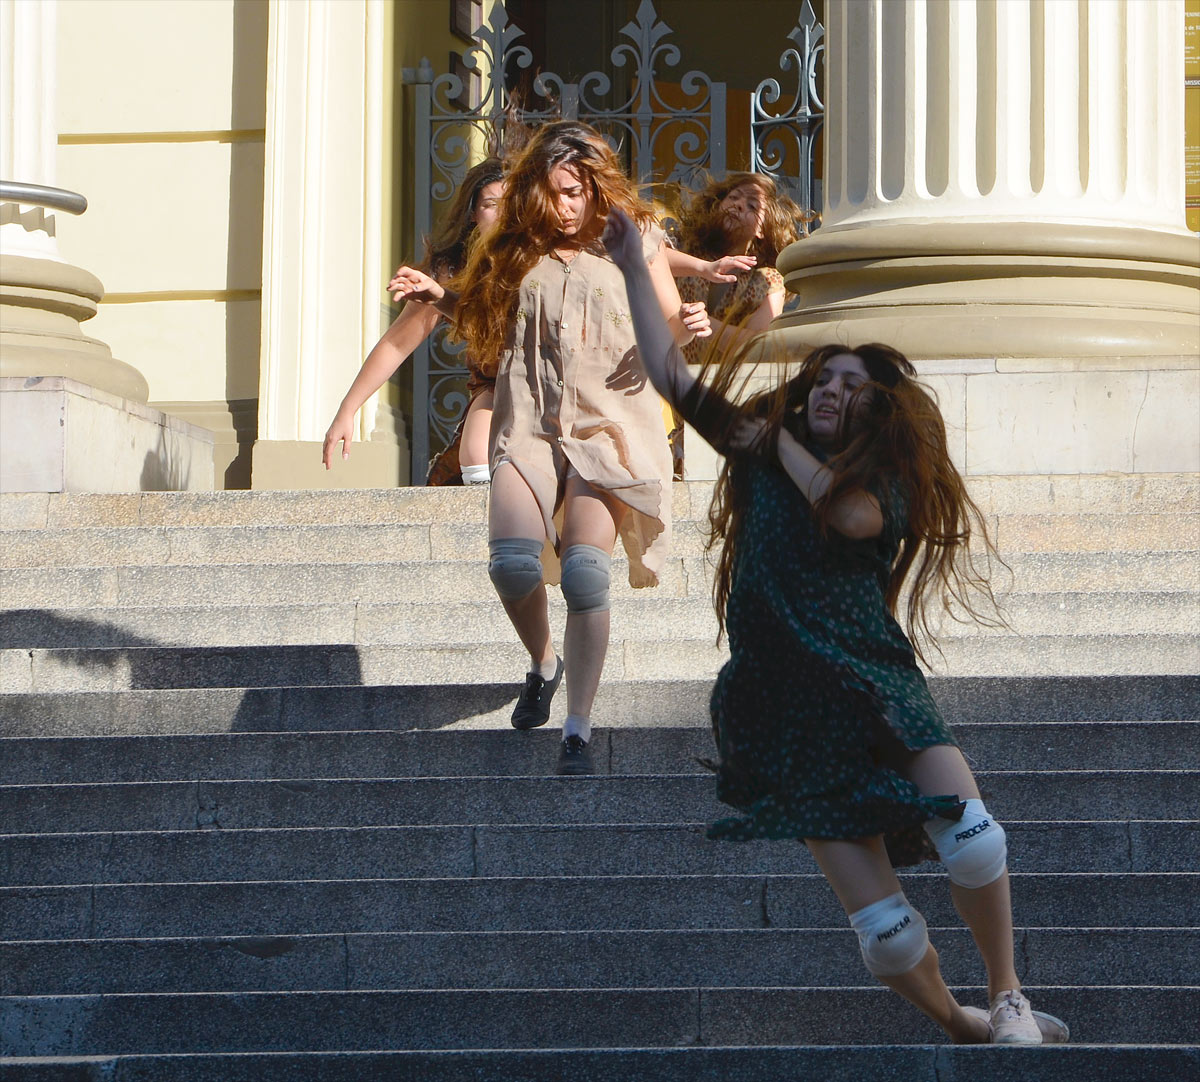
[{"x": 571, "y": 391}]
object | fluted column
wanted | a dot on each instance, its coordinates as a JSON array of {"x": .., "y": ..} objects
[
  {"x": 1002, "y": 179},
  {"x": 322, "y": 228},
  {"x": 43, "y": 299}
]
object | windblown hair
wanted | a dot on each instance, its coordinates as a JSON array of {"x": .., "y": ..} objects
[
  {"x": 529, "y": 228},
  {"x": 892, "y": 429},
  {"x": 446, "y": 249},
  {"x": 702, "y": 230}
]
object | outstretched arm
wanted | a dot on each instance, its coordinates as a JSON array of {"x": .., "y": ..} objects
[
  {"x": 725, "y": 269},
  {"x": 656, "y": 337},
  {"x": 408, "y": 330}
]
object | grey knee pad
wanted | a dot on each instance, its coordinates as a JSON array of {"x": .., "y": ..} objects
[
  {"x": 891, "y": 935},
  {"x": 515, "y": 566},
  {"x": 585, "y": 578},
  {"x": 973, "y": 848}
]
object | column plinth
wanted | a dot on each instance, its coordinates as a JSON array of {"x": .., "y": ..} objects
[{"x": 938, "y": 288}]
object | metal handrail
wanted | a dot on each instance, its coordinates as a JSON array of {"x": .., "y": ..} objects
[{"x": 38, "y": 195}]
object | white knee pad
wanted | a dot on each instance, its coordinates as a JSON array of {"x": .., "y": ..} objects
[
  {"x": 891, "y": 935},
  {"x": 515, "y": 566},
  {"x": 585, "y": 578},
  {"x": 973, "y": 848},
  {"x": 476, "y": 475}
]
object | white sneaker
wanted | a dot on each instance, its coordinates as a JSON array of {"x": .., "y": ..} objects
[
  {"x": 1011, "y": 1020},
  {"x": 1053, "y": 1030}
]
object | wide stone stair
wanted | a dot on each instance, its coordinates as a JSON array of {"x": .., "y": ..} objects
[{"x": 262, "y": 815}]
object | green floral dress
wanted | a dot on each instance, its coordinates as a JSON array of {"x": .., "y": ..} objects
[{"x": 822, "y": 689}]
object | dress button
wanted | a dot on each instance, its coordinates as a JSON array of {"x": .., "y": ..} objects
[
  {"x": 560, "y": 439},
  {"x": 560, "y": 383},
  {"x": 563, "y": 326}
]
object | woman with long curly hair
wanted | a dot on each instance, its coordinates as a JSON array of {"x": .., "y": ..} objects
[
  {"x": 578, "y": 452},
  {"x": 472, "y": 212},
  {"x": 836, "y": 486},
  {"x": 739, "y": 214}
]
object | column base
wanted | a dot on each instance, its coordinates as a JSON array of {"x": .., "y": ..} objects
[
  {"x": 42, "y": 303},
  {"x": 59, "y": 435},
  {"x": 996, "y": 289}
]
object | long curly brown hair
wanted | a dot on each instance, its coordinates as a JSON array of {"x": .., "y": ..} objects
[
  {"x": 893, "y": 428},
  {"x": 529, "y": 228},
  {"x": 702, "y": 230}
]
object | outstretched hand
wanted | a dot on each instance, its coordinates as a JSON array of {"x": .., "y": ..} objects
[
  {"x": 728, "y": 267},
  {"x": 623, "y": 240},
  {"x": 340, "y": 432},
  {"x": 408, "y": 283}
]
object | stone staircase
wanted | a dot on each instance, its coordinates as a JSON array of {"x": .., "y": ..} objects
[{"x": 262, "y": 816}]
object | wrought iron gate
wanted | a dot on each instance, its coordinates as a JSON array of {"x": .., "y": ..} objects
[{"x": 661, "y": 142}]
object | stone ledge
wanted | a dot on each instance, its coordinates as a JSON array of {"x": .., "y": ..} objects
[{"x": 60, "y": 435}]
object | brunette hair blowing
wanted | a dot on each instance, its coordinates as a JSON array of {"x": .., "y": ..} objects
[
  {"x": 529, "y": 228},
  {"x": 702, "y": 225},
  {"x": 892, "y": 427},
  {"x": 446, "y": 249}
]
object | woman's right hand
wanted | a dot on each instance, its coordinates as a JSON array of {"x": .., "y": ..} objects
[
  {"x": 408, "y": 283},
  {"x": 341, "y": 431}
]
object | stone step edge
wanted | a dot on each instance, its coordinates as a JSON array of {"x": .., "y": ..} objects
[
  {"x": 551, "y": 824},
  {"x": 790, "y": 930},
  {"x": 712, "y": 1063},
  {"x": 475, "y": 880},
  {"x": 596, "y": 778}
]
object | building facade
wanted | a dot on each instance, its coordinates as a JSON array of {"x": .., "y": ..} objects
[{"x": 1004, "y": 199}]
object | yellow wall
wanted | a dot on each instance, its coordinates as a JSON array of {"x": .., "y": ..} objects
[{"x": 161, "y": 118}]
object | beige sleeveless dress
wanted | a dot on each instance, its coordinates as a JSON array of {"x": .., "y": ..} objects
[{"x": 571, "y": 392}]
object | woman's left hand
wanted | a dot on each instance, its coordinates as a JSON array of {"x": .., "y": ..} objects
[
  {"x": 728, "y": 267},
  {"x": 622, "y": 240},
  {"x": 694, "y": 316}
]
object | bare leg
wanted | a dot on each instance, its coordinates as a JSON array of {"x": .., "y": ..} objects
[
  {"x": 860, "y": 873},
  {"x": 987, "y": 911},
  {"x": 590, "y": 518},
  {"x": 513, "y": 512},
  {"x": 474, "y": 451}
]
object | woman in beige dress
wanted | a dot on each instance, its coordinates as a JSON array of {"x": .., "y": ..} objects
[{"x": 578, "y": 451}]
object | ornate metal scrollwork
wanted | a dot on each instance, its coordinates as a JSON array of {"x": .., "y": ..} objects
[
  {"x": 663, "y": 140},
  {"x": 783, "y": 142}
]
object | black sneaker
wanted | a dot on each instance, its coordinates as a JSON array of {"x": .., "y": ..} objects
[
  {"x": 533, "y": 704},
  {"x": 575, "y": 757}
]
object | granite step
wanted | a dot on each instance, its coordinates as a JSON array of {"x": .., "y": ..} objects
[
  {"x": 531, "y": 849},
  {"x": 715, "y": 958},
  {"x": 537, "y": 903},
  {"x": 422, "y": 801},
  {"x": 649, "y": 618},
  {"x": 383, "y": 581},
  {"x": 629, "y": 658},
  {"x": 995, "y": 494},
  {"x": 830, "y": 1063},
  {"x": 436, "y": 538},
  {"x": 630, "y": 704},
  {"x": 540, "y": 1018},
  {"x": 995, "y": 745}
]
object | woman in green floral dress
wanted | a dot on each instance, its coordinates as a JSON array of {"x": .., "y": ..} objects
[{"x": 837, "y": 485}]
